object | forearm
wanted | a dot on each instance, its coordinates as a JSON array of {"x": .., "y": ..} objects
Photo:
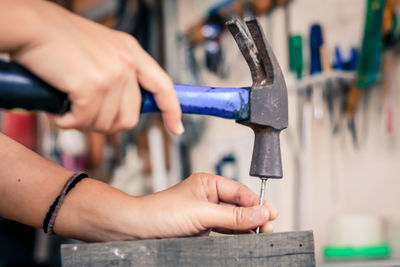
[
  {"x": 29, "y": 184},
  {"x": 95, "y": 211},
  {"x": 19, "y": 23}
]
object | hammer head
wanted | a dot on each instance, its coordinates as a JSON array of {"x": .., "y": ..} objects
[{"x": 268, "y": 97}]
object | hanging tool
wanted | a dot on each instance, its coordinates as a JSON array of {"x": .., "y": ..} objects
[
  {"x": 229, "y": 9},
  {"x": 211, "y": 28},
  {"x": 296, "y": 55},
  {"x": 330, "y": 89},
  {"x": 330, "y": 94},
  {"x": 390, "y": 23},
  {"x": 226, "y": 161},
  {"x": 341, "y": 64},
  {"x": 262, "y": 107},
  {"x": 369, "y": 62},
  {"x": 387, "y": 87},
  {"x": 316, "y": 42},
  {"x": 389, "y": 38},
  {"x": 212, "y": 31},
  {"x": 316, "y": 46}
]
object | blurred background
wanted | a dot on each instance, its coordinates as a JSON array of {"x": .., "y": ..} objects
[{"x": 340, "y": 153}]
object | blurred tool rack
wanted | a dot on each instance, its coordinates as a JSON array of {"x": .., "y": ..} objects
[{"x": 320, "y": 78}]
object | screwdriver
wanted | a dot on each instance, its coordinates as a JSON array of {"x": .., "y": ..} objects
[{"x": 262, "y": 193}]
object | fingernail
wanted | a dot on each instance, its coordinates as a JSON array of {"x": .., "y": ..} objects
[{"x": 180, "y": 129}]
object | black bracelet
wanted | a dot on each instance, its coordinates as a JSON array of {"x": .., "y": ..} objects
[{"x": 49, "y": 220}]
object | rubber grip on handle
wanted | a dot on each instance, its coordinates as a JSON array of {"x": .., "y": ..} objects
[{"x": 19, "y": 88}]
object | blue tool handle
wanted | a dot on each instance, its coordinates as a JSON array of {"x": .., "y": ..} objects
[
  {"x": 229, "y": 103},
  {"x": 20, "y": 88}
]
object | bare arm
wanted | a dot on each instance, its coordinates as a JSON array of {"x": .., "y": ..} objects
[
  {"x": 95, "y": 211},
  {"x": 29, "y": 184}
]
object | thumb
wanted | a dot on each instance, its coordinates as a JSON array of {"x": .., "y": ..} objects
[{"x": 236, "y": 218}]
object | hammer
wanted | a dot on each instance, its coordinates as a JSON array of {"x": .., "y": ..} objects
[{"x": 262, "y": 107}]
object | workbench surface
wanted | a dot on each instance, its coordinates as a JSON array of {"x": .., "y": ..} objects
[{"x": 277, "y": 249}]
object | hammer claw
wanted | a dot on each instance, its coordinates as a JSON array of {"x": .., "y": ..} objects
[
  {"x": 263, "y": 51},
  {"x": 247, "y": 46}
]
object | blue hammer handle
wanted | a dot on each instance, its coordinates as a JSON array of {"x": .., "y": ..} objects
[{"x": 19, "y": 88}]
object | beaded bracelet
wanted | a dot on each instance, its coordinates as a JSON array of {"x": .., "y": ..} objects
[{"x": 49, "y": 220}]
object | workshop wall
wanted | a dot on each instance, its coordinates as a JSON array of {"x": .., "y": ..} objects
[{"x": 337, "y": 178}]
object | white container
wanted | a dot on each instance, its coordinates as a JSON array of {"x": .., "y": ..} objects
[{"x": 356, "y": 231}]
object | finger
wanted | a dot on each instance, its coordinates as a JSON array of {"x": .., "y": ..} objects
[
  {"x": 82, "y": 114},
  {"x": 128, "y": 114},
  {"x": 107, "y": 113},
  {"x": 267, "y": 228},
  {"x": 77, "y": 118},
  {"x": 109, "y": 108},
  {"x": 235, "y": 218},
  {"x": 272, "y": 211},
  {"x": 155, "y": 80},
  {"x": 233, "y": 192}
]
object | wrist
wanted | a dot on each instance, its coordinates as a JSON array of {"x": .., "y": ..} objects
[{"x": 94, "y": 211}]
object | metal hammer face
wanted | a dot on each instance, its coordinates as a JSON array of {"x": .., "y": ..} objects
[{"x": 268, "y": 98}]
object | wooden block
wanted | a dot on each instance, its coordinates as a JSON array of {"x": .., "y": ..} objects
[{"x": 278, "y": 249}]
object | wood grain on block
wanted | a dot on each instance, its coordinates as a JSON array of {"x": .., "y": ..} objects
[{"x": 277, "y": 249}]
